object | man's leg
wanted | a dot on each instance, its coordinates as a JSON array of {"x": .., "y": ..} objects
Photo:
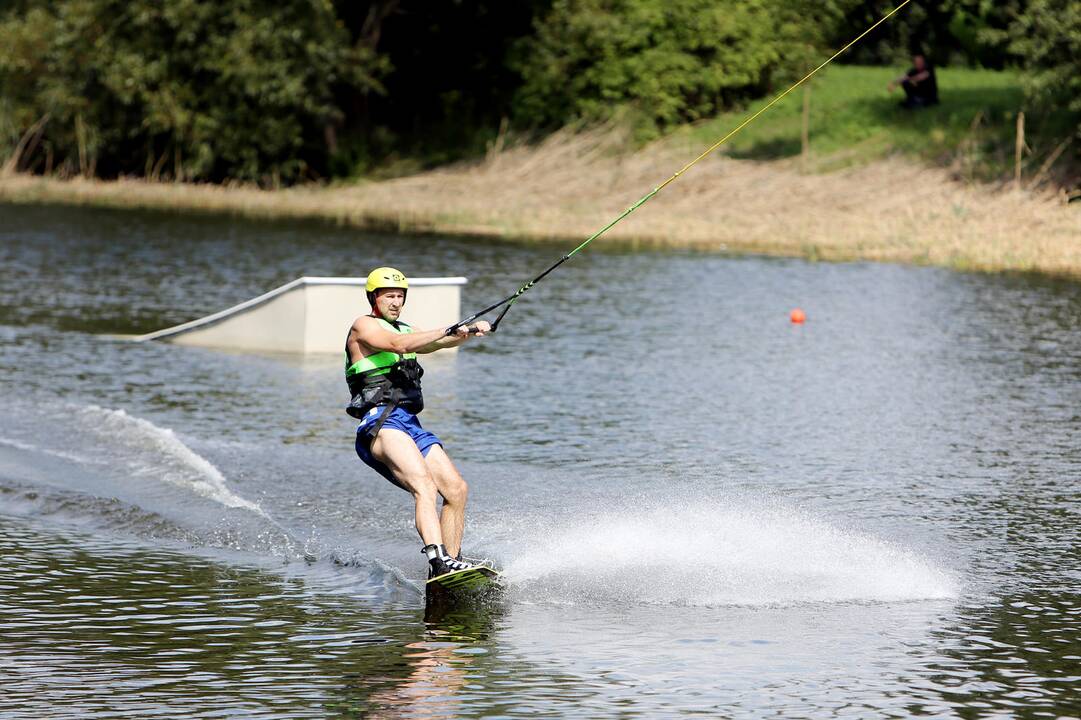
[
  {"x": 455, "y": 493},
  {"x": 397, "y": 451},
  {"x": 910, "y": 95}
]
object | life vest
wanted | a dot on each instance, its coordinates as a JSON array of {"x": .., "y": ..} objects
[{"x": 384, "y": 379}]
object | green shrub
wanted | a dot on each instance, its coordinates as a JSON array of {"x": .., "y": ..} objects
[
  {"x": 668, "y": 62},
  {"x": 191, "y": 89},
  {"x": 1048, "y": 40}
]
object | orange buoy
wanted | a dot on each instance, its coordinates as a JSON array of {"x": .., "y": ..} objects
[{"x": 797, "y": 316}]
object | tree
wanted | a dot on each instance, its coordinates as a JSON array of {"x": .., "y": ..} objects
[
  {"x": 449, "y": 85},
  {"x": 1048, "y": 40},
  {"x": 192, "y": 88},
  {"x": 669, "y": 62},
  {"x": 965, "y": 32}
]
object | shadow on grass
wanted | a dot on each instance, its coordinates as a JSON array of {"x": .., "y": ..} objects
[
  {"x": 932, "y": 130},
  {"x": 773, "y": 148}
]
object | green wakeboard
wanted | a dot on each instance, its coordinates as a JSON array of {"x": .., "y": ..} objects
[
  {"x": 470, "y": 580},
  {"x": 473, "y": 588}
]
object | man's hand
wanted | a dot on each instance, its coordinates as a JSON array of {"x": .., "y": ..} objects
[
  {"x": 479, "y": 328},
  {"x": 460, "y": 334}
]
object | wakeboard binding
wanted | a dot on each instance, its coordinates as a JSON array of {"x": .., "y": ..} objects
[
  {"x": 441, "y": 563},
  {"x": 456, "y": 576}
]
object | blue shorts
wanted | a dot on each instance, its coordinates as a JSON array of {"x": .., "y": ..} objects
[{"x": 398, "y": 420}]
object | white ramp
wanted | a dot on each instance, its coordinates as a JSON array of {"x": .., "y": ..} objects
[{"x": 311, "y": 315}]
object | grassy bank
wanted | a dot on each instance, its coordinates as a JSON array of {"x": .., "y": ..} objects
[
  {"x": 853, "y": 119},
  {"x": 876, "y": 198}
]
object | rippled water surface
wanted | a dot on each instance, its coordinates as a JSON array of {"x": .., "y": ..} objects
[{"x": 700, "y": 508}]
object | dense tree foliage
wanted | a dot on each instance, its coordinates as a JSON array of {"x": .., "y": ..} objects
[
  {"x": 966, "y": 32},
  {"x": 204, "y": 90},
  {"x": 669, "y": 62},
  {"x": 449, "y": 85},
  {"x": 1048, "y": 38},
  {"x": 294, "y": 89}
]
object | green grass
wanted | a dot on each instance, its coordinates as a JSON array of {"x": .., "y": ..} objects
[{"x": 853, "y": 119}]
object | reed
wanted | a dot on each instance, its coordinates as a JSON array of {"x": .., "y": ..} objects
[{"x": 891, "y": 210}]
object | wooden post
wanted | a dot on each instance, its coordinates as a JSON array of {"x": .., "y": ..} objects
[
  {"x": 805, "y": 133},
  {"x": 1019, "y": 149},
  {"x": 80, "y": 137}
]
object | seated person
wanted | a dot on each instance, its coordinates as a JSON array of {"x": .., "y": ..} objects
[{"x": 920, "y": 86}]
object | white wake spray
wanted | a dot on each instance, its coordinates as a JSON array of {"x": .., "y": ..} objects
[
  {"x": 161, "y": 455},
  {"x": 714, "y": 552}
]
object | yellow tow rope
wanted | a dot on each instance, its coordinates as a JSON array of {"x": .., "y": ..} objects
[
  {"x": 752, "y": 118},
  {"x": 509, "y": 301}
]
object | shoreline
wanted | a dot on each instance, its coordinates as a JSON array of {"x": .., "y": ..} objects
[{"x": 565, "y": 189}]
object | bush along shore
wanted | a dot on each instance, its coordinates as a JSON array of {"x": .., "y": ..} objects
[{"x": 891, "y": 209}]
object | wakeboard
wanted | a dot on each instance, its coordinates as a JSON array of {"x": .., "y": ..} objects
[{"x": 473, "y": 583}]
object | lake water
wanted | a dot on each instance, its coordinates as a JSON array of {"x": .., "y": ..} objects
[{"x": 701, "y": 508}]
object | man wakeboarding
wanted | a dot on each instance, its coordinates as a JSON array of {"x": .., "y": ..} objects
[{"x": 383, "y": 375}]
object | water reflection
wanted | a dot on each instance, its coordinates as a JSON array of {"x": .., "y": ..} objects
[
  {"x": 702, "y": 509},
  {"x": 88, "y": 617}
]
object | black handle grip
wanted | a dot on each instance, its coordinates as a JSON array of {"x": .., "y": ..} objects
[{"x": 453, "y": 329}]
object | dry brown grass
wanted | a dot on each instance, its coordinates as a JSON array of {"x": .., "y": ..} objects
[{"x": 571, "y": 185}]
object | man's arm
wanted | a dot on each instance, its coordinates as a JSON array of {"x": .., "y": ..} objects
[
  {"x": 480, "y": 329},
  {"x": 918, "y": 77},
  {"x": 367, "y": 330},
  {"x": 914, "y": 78}
]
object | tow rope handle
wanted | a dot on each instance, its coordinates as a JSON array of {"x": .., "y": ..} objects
[
  {"x": 453, "y": 329},
  {"x": 473, "y": 330},
  {"x": 510, "y": 300}
]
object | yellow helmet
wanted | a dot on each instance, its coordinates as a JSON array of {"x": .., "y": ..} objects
[{"x": 386, "y": 277}]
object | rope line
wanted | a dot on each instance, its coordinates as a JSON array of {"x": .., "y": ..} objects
[{"x": 510, "y": 300}]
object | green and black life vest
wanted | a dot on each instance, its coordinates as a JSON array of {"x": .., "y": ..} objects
[{"x": 385, "y": 379}]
